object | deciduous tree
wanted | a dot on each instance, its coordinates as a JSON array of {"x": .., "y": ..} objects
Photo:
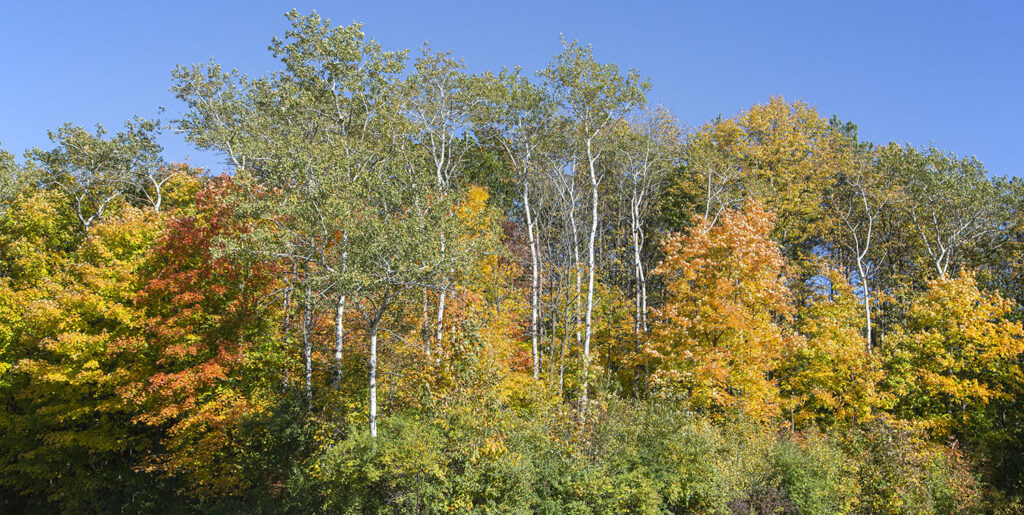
[{"x": 718, "y": 337}]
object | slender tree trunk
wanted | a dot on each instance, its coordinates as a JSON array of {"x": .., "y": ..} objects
[
  {"x": 286, "y": 326},
  {"x": 440, "y": 312},
  {"x": 339, "y": 339},
  {"x": 567, "y": 322},
  {"x": 339, "y": 319},
  {"x": 640, "y": 322},
  {"x": 577, "y": 270},
  {"x": 426, "y": 320},
  {"x": 867, "y": 300},
  {"x": 561, "y": 357},
  {"x": 553, "y": 313},
  {"x": 552, "y": 321},
  {"x": 373, "y": 380},
  {"x": 441, "y": 300},
  {"x": 541, "y": 330},
  {"x": 307, "y": 348},
  {"x": 534, "y": 284},
  {"x": 588, "y": 324},
  {"x": 644, "y": 327}
]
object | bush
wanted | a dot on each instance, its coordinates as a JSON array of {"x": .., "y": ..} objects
[
  {"x": 815, "y": 474},
  {"x": 899, "y": 470},
  {"x": 629, "y": 457}
]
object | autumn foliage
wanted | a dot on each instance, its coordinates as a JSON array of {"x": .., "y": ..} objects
[
  {"x": 424, "y": 290},
  {"x": 717, "y": 337}
]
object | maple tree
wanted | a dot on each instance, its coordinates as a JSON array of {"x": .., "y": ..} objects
[
  {"x": 716, "y": 338},
  {"x": 826, "y": 377},
  {"x": 955, "y": 356},
  {"x": 211, "y": 354},
  {"x": 68, "y": 346}
]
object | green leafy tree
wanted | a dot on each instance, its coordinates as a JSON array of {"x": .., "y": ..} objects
[
  {"x": 324, "y": 151},
  {"x": 517, "y": 120},
  {"x": 950, "y": 202},
  {"x": 13, "y": 179},
  {"x": 95, "y": 173}
]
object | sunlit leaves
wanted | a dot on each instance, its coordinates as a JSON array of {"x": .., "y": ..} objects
[
  {"x": 956, "y": 355},
  {"x": 718, "y": 337},
  {"x": 827, "y": 377},
  {"x": 70, "y": 346}
]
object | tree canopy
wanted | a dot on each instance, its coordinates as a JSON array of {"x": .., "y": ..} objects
[{"x": 423, "y": 289}]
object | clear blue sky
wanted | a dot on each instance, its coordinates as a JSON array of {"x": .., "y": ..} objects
[{"x": 951, "y": 73}]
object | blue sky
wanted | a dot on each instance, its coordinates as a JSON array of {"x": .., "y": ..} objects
[{"x": 951, "y": 73}]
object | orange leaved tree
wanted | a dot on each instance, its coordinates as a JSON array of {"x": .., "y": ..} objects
[{"x": 720, "y": 332}]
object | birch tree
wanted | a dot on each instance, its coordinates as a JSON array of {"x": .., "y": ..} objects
[
  {"x": 856, "y": 203},
  {"x": 951, "y": 203},
  {"x": 645, "y": 155},
  {"x": 717, "y": 174},
  {"x": 149, "y": 173},
  {"x": 594, "y": 98},
  {"x": 318, "y": 145},
  {"x": 440, "y": 101},
  {"x": 517, "y": 121},
  {"x": 563, "y": 243},
  {"x": 397, "y": 238},
  {"x": 95, "y": 171}
]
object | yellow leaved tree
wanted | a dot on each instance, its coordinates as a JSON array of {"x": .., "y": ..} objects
[
  {"x": 957, "y": 353},
  {"x": 827, "y": 377}
]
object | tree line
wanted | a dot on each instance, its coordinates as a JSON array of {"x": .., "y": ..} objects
[{"x": 424, "y": 289}]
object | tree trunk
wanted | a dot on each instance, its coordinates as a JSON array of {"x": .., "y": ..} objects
[
  {"x": 441, "y": 299},
  {"x": 286, "y": 326},
  {"x": 588, "y": 324},
  {"x": 578, "y": 274},
  {"x": 307, "y": 348},
  {"x": 534, "y": 284},
  {"x": 440, "y": 313},
  {"x": 339, "y": 340},
  {"x": 640, "y": 322},
  {"x": 566, "y": 321},
  {"x": 373, "y": 381},
  {"x": 426, "y": 320},
  {"x": 867, "y": 300}
]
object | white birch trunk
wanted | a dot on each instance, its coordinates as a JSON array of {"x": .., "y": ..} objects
[
  {"x": 640, "y": 322},
  {"x": 867, "y": 299},
  {"x": 578, "y": 274},
  {"x": 441, "y": 299},
  {"x": 373, "y": 381},
  {"x": 426, "y": 319},
  {"x": 307, "y": 350},
  {"x": 535, "y": 283},
  {"x": 588, "y": 324},
  {"x": 440, "y": 312},
  {"x": 339, "y": 339}
]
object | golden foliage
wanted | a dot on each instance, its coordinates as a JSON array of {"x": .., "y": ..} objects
[{"x": 718, "y": 337}]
